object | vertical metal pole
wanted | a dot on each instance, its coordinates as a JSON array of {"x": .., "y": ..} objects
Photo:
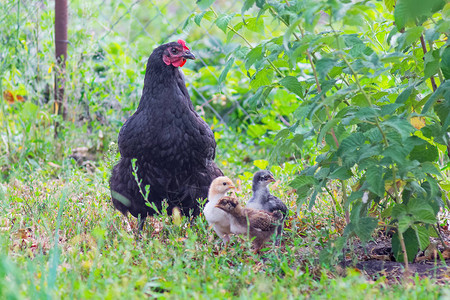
[{"x": 61, "y": 56}]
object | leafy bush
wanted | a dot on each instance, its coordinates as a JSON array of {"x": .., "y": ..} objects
[{"x": 370, "y": 84}]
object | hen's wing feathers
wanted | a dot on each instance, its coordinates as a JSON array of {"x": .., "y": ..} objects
[{"x": 131, "y": 136}]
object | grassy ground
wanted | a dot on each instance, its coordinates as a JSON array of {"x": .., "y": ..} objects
[{"x": 60, "y": 237}]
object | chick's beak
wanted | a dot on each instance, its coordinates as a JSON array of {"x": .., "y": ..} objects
[
  {"x": 271, "y": 179},
  {"x": 188, "y": 55}
]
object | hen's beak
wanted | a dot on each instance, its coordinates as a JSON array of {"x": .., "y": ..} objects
[{"x": 188, "y": 55}]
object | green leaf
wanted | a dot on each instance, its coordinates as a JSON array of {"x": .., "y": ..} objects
[
  {"x": 303, "y": 180},
  {"x": 29, "y": 112},
  {"x": 222, "y": 22},
  {"x": 186, "y": 26},
  {"x": 443, "y": 89},
  {"x": 247, "y": 5},
  {"x": 205, "y": 14},
  {"x": 405, "y": 95},
  {"x": 430, "y": 168},
  {"x": 404, "y": 222},
  {"x": 253, "y": 55},
  {"x": 261, "y": 163},
  {"x": 431, "y": 63},
  {"x": 352, "y": 40},
  {"x": 390, "y": 4},
  {"x": 260, "y": 3},
  {"x": 263, "y": 77},
  {"x": 224, "y": 73},
  {"x": 412, "y": 35},
  {"x": 303, "y": 185},
  {"x": 204, "y": 4},
  {"x": 282, "y": 134},
  {"x": 421, "y": 211},
  {"x": 399, "y": 210},
  {"x": 401, "y": 14},
  {"x": 402, "y": 126},
  {"x": 357, "y": 49},
  {"x": 432, "y": 188},
  {"x": 425, "y": 152},
  {"x": 365, "y": 228},
  {"x": 397, "y": 154},
  {"x": 256, "y": 131},
  {"x": 342, "y": 173},
  {"x": 353, "y": 142},
  {"x": 198, "y": 18},
  {"x": 411, "y": 245},
  {"x": 289, "y": 32},
  {"x": 330, "y": 124},
  {"x": 255, "y": 24},
  {"x": 374, "y": 177},
  {"x": 122, "y": 199},
  {"x": 366, "y": 113},
  {"x": 324, "y": 65},
  {"x": 445, "y": 63},
  {"x": 292, "y": 85},
  {"x": 422, "y": 235},
  {"x": 415, "y": 12},
  {"x": 259, "y": 96},
  {"x": 442, "y": 109}
]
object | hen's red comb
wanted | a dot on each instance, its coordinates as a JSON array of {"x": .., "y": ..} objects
[{"x": 183, "y": 43}]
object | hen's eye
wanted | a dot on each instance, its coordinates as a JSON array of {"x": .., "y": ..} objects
[{"x": 174, "y": 51}]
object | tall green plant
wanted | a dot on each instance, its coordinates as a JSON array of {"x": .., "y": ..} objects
[{"x": 371, "y": 87}]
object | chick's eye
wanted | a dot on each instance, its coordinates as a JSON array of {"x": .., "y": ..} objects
[{"x": 224, "y": 183}]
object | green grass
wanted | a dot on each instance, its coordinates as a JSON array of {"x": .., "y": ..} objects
[{"x": 62, "y": 238}]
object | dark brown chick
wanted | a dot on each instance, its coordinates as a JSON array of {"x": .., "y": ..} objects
[{"x": 255, "y": 223}]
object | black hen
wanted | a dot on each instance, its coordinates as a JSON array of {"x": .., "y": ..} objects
[
  {"x": 173, "y": 147},
  {"x": 262, "y": 199}
]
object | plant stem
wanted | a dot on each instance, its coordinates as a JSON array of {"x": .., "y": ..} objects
[
  {"x": 394, "y": 175},
  {"x": 441, "y": 77},
  {"x": 5, "y": 124},
  {"x": 405, "y": 255},
  {"x": 344, "y": 196},
  {"x": 334, "y": 199},
  {"x": 369, "y": 102},
  {"x": 313, "y": 67},
  {"x": 248, "y": 43},
  {"x": 424, "y": 48}
]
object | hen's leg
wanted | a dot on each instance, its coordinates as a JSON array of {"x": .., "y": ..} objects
[{"x": 141, "y": 221}]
